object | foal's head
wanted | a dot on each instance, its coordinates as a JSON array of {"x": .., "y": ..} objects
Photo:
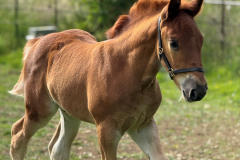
[
  {"x": 182, "y": 42},
  {"x": 181, "y": 38}
]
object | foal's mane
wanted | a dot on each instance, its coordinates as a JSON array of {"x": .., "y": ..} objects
[{"x": 144, "y": 8}]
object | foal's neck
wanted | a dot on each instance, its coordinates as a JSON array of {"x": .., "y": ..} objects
[{"x": 139, "y": 46}]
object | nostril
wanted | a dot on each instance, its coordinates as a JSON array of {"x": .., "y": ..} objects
[{"x": 193, "y": 94}]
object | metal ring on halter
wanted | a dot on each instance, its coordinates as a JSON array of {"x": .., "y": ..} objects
[
  {"x": 171, "y": 74},
  {"x": 160, "y": 50}
]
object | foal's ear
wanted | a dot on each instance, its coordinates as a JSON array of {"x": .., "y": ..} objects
[
  {"x": 173, "y": 8},
  {"x": 118, "y": 27},
  {"x": 193, "y": 7}
]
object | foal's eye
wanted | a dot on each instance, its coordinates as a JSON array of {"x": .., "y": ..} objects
[{"x": 173, "y": 44}]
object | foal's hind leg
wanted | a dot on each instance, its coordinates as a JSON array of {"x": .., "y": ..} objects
[
  {"x": 39, "y": 110},
  {"x": 54, "y": 138},
  {"x": 22, "y": 131},
  {"x": 148, "y": 140},
  {"x": 60, "y": 144}
]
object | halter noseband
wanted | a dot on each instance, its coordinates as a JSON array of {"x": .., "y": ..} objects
[{"x": 171, "y": 71}]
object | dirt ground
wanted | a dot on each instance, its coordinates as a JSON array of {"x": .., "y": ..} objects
[{"x": 181, "y": 138}]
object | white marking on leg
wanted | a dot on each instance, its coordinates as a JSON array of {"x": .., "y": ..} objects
[
  {"x": 69, "y": 129},
  {"x": 148, "y": 140}
]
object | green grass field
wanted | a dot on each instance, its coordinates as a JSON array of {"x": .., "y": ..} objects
[{"x": 204, "y": 130}]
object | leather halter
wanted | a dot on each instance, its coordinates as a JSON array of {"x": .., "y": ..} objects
[{"x": 171, "y": 71}]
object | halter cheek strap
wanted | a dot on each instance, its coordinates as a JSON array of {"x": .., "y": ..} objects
[{"x": 171, "y": 71}]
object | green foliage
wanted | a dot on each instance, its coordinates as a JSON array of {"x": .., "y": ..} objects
[
  {"x": 13, "y": 59},
  {"x": 98, "y": 16},
  {"x": 2, "y": 45},
  {"x": 90, "y": 15},
  {"x": 220, "y": 48}
]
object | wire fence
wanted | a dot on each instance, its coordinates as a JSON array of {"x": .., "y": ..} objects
[{"x": 219, "y": 23}]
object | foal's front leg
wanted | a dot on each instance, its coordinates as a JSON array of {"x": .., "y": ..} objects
[
  {"x": 147, "y": 138},
  {"x": 108, "y": 137}
]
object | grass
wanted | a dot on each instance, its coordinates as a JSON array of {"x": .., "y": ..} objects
[{"x": 209, "y": 129}]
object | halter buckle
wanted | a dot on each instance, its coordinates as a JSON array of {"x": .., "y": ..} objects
[
  {"x": 171, "y": 74},
  {"x": 160, "y": 50}
]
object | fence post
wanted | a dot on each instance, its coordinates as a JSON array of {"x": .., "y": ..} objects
[
  {"x": 101, "y": 13},
  {"x": 56, "y": 13},
  {"x": 16, "y": 19},
  {"x": 223, "y": 32}
]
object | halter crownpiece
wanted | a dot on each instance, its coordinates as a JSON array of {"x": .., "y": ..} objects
[{"x": 171, "y": 71}]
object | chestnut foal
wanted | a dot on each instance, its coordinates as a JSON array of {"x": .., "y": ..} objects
[{"x": 111, "y": 84}]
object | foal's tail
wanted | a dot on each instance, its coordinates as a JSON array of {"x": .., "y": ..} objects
[{"x": 18, "y": 88}]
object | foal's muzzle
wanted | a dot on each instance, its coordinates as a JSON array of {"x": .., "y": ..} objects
[{"x": 192, "y": 91}]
